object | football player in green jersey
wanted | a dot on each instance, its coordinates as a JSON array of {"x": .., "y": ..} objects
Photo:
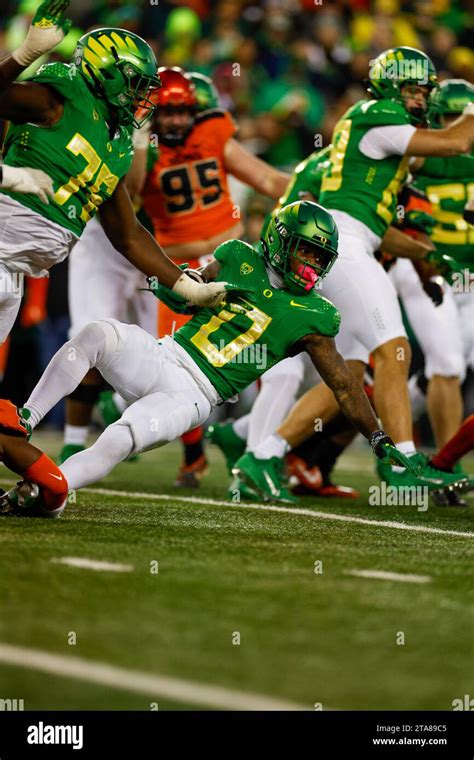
[
  {"x": 174, "y": 383},
  {"x": 371, "y": 148},
  {"x": 449, "y": 185},
  {"x": 74, "y": 121},
  {"x": 279, "y": 385}
]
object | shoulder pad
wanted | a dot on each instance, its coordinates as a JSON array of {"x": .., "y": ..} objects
[
  {"x": 234, "y": 248},
  {"x": 381, "y": 112},
  {"x": 211, "y": 113},
  {"x": 329, "y": 318},
  {"x": 64, "y": 77}
]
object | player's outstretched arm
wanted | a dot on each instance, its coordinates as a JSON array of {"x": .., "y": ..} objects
[
  {"x": 455, "y": 139},
  {"x": 253, "y": 171},
  {"x": 30, "y": 101},
  {"x": 134, "y": 242},
  {"x": 337, "y": 375},
  {"x": 352, "y": 398}
]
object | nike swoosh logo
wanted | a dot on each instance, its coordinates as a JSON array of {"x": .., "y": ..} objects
[
  {"x": 300, "y": 305},
  {"x": 275, "y": 491},
  {"x": 58, "y": 477}
]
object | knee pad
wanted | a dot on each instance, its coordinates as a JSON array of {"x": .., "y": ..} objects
[{"x": 97, "y": 340}]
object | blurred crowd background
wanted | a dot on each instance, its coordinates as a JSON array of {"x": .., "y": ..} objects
[{"x": 286, "y": 70}]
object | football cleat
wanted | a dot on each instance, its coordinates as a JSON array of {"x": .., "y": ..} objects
[
  {"x": 232, "y": 446},
  {"x": 21, "y": 501},
  {"x": 265, "y": 477},
  {"x": 448, "y": 498},
  {"x": 309, "y": 481},
  {"x": 239, "y": 491},
  {"x": 68, "y": 450},
  {"x": 13, "y": 420},
  {"x": 429, "y": 476},
  {"x": 190, "y": 475},
  {"x": 327, "y": 491}
]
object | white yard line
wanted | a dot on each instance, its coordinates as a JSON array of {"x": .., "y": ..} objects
[
  {"x": 153, "y": 686},
  {"x": 385, "y": 575},
  {"x": 271, "y": 508},
  {"x": 286, "y": 510},
  {"x": 93, "y": 564}
]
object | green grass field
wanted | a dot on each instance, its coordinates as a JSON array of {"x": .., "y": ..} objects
[{"x": 227, "y": 572}]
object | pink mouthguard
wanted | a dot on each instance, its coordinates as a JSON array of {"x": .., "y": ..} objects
[{"x": 307, "y": 273}]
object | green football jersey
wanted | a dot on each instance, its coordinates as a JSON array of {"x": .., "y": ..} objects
[
  {"x": 83, "y": 159},
  {"x": 306, "y": 178},
  {"x": 235, "y": 344},
  {"x": 363, "y": 187},
  {"x": 449, "y": 184}
]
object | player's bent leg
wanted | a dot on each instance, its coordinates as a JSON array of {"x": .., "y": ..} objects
[
  {"x": 391, "y": 397},
  {"x": 94, "y": 346},
  {"x": 444, "y": 361},
  {"x": 79, "y": 406},
  {"x": 445, "y": 407},
  {"x": 113, "y": 446}
]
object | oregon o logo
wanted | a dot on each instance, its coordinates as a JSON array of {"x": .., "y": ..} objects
[{"x": 268, "y": 293}]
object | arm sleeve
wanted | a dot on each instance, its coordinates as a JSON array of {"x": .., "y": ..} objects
[{"x": 381, "y": 142}]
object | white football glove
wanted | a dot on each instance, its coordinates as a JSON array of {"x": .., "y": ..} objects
[
  {"x": 141, "y": 137},
  {"x": 22, "y": 179},
  {"x": 200, "y": 294},
  {"x": 48, "y": 28}
]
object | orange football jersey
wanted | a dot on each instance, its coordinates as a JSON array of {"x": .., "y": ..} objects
[{"x": 186, "y": 194}]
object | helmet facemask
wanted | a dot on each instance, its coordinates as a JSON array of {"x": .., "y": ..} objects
[
  {"x": 134, "y": 104},
  {"x": 301, "y": 263}
]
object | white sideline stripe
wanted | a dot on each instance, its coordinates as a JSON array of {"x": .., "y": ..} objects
[
  {"x": 175, "y": 689},
  {"x": 286, "y": 510},
  {"x": 93, "y": 564},
  {"x": 384, "y": 575}
]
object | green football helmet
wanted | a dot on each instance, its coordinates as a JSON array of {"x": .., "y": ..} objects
[
  {"x": 121, "y": 69},
  {"x": 399, "y": 66},
  {"x": 306, "y": 233},
  {"x": 450, "y": 97},
  {"x": 206, "y": 91}
]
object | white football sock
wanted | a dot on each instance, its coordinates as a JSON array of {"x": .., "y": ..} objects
[
  {"x": 273, "y": 446},
  {"x": 407, "y": 448},
  {"x": 241, "y": 426},
  {"x": 68, "y": 367},
  {"x": 75, "y": 435},
  {"x": 276, "y": 397},
  {"x": 112, "y": 447}
]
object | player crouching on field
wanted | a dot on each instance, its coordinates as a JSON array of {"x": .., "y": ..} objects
[{"x": 172, "y": 385}]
